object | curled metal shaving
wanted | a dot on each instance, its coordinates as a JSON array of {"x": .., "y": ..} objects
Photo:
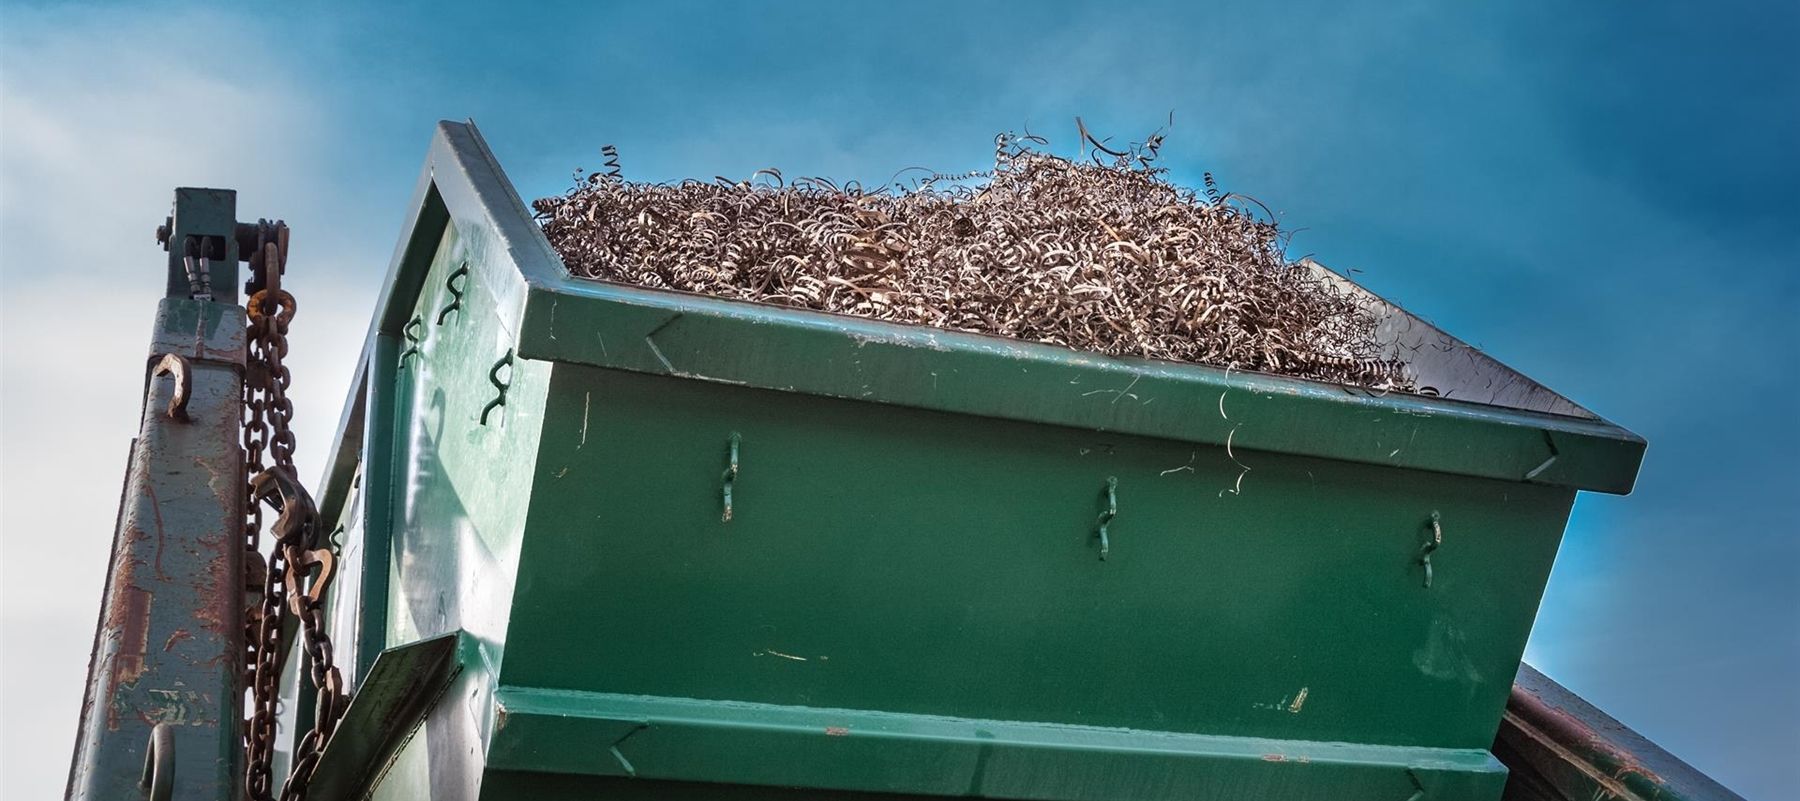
[{"x": 1102, "y": 257}]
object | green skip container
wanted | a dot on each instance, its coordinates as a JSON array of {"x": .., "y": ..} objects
[{"x": 606, "y": 542}]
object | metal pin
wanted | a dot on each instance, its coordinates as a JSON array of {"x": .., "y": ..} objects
[
  {"x": 730, "y": 477},
  {"x": 1431, "y": 544},
  {"x": 1106, "y": 517}
]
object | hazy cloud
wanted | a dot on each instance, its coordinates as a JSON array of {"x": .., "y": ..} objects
[{"x": 101, "y": 120}]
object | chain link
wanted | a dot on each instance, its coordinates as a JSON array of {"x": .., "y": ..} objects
[{"x": 279, "y": 580}]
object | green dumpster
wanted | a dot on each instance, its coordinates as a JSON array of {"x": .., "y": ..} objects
[{"x": 705, "y": 549}]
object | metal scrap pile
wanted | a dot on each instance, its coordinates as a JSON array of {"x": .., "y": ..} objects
[{"x": 1104, "y": 257}]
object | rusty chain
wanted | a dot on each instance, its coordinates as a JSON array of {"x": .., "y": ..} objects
[{"x": 280, "y": 580}]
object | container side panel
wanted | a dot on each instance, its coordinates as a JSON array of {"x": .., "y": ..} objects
[
  {"x": 663, "y": 739},
  {"x": 442, "y": 760},
  {"x": 887, "y": 558},
  {"x": 771, "y": 347},
  {"x": 347, "y": 536},
  {"x": 462, "y": 476},
  {"x": 1219, "y": 786}
]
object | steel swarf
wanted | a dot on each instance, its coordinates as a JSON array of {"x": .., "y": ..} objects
[{"x": 1106, "y": 256}]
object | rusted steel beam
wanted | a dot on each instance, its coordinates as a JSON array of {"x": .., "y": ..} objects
[
  {"x": 168, "y": 656},
  {"x": 1558, "y": 747}
]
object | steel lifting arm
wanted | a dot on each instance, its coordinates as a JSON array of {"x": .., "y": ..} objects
[
  {"x": 193, "y": 616},
  {"x": 168, "y": 648}
]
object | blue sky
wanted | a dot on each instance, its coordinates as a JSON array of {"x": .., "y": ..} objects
[{"x": 1601, "y": 196}]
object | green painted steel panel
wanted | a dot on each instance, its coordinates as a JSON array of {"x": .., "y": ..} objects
[
  {"x": 909, "y": 597},
  {"x": 895, "y": 559},
  {"x": 398, "y": 693},
  {"x": 738, "y": 743},
  {"x": 167, "y": 643},
  {"x": 744, "y": 344}
]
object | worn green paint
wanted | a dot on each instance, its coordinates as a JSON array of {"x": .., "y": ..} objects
[
  {"x": 909, "y": 597},
  {"x": 948, "y": 565},
  {"x": 168, "y": 643},
  {"x": 456, "y": 497}
]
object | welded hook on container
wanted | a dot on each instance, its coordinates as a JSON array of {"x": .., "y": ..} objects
[
  {"x": 176, "y": 365},
  {"x": 411, "y": 332},
  {"x": 494, "y": 378},
  {"x": 1106, "y": 517},
  {"x": 730, "y": 476},
  {"x": 456, "y": 292},
  {"x": 1431, "y": 544}
]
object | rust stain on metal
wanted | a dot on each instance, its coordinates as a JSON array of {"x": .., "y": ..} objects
[
  {"x": 161, "y": 538},
  {"x": 212, "y": 591},
  {"x": 176, "y": 365},
  {"x": 1556, "y": 730},
  {"x": 837, "y": 731},
  {"x": 129, "y": 618},
  {"x": 216, "y": 592},
  {"x": 177, "y": 636},
  {"x": 1597, "y": 742}
]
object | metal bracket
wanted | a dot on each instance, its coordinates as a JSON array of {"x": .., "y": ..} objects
[
  {"x": 402, "y": 687},
  {"x": 201, "y": 236}
]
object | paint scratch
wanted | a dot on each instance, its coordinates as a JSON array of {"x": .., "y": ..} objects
[
  {"x": 1299, "y": 700},
  {"x": 1189, "y": 467},
  {"x": 586, "y": 400},
  {"x": 1127, "y": 390}
]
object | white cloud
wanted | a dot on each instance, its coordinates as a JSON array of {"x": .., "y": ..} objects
[{"x": 102, "y": 119}]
